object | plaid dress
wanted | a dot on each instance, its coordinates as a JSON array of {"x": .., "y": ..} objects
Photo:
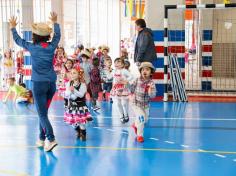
[
  {"x": 95, "y": 80},
  {"x": 140, "y": 90}
]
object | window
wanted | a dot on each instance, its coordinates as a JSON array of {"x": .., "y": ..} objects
[
  {"x": 92, "y": 23},
  {"x": 42, "y": 9}
]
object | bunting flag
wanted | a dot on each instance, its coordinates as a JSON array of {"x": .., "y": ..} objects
[
  {"x": 130, "y": 5},
  {"x": 134, "y": 9},
  {"x": 227, "y": 1},
  {"x": 126, "y": 9},
  {"x": 142, "y": 10},
  {"x": 137, "y": 10}
]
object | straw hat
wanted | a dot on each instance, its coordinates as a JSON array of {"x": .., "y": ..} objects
[
  {"x": 92, "y": 49},
  {"x": 86, "y": 53},
  {"x": 41, "y": 29},
  {"x": 147, "y": 64},
  {"x": 104, "y": 47}
]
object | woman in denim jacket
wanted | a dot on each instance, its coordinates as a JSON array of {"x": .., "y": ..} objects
[{"x": 43, "y": 74}]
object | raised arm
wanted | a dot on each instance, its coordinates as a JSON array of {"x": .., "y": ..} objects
[
  {"x": 57, "y": 32},
  {"x": 19, "y": 41}
]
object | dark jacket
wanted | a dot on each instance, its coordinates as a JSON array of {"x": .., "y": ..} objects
[{"x": 144, "y": 47}]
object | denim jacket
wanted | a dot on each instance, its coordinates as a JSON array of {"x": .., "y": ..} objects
[{"x": 41, "y": 55}]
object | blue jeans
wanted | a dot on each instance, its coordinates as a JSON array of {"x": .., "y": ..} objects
[
  {"x": 43, "y": 93},
  {"x": 107, "y": 87}
]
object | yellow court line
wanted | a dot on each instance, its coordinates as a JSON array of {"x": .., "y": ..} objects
[
  {"x": 10, "y": 172},
  {"x": 130, "y": 149}
]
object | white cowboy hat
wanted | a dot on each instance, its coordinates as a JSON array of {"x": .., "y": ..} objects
[{"x": 147, "y": 64}]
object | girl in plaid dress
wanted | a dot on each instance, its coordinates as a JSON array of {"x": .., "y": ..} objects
[{"x": 76, "y": 111}]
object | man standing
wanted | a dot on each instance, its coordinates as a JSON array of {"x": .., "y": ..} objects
[{"x": 144, "y": 48}]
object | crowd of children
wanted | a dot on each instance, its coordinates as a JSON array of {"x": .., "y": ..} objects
[{"x": 90, "y": 72}]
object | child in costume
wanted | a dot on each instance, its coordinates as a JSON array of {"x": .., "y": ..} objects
[
  {"x": 20, "y": 66},
  {"x": 87, "y": 67},
  {"x": 105, "y": 51},
  {"x": 8, "y": 67},
  {"x": 21, "y": 93},
  {"x": 95, "y": 84},
  {"x": 143, "y": 89},
  {"x": 107, "y": 83},
  {"x": 76, "y": 112},
  {"x": 120, "y": 89},
  {"x": 59, "y": 59},
  {"x": 64, "y": 76}
]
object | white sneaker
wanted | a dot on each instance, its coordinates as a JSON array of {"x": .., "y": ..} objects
[
  {"x": 50, "y": 146},
  {"x": 40, "y": 143}
]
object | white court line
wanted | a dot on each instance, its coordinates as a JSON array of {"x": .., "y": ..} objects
[
  {"x": 111, "y": 130},
  {"x": 152, "y": 118},
  {"x": 154, "y": 139},
  {"x": 169, "y": 142},
  {"x": 221, "y": 156},
  {"x": 98, "y": 128},
  {"x": 185, "y": 146}
]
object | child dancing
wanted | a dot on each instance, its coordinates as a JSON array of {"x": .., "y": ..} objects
[
  {"x": 76, "y": 111},
  {"x": 95, "y": 83},
  {"x": 120, "y": 89},
  {"x": 143, "y": 89}
]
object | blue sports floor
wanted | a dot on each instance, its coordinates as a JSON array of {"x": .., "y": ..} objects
[{"x": 181, "y": 139}]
